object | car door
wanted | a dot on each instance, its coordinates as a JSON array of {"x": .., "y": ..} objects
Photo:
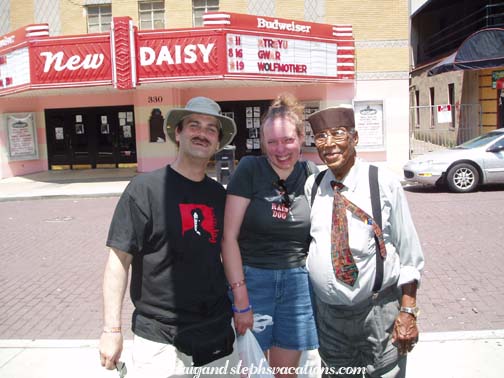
[{"x": 494, "y": 162}]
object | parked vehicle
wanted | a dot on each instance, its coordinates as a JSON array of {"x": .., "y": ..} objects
[{"x": 463, "y": 168}]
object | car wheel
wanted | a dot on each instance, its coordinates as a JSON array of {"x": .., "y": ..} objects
[{"x": 462, "y": 178}]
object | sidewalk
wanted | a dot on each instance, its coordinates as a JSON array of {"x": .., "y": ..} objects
[
  {"x": 446, "y": 354},
  {"x": 77, "y": 183},
  {"x": 55, "y": 184},
  {"x": 478, "y": 354}
]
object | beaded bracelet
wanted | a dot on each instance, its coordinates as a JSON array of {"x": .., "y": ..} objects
[
  {"x": 111, "y": 329},
  {"x": 238, "y": 311},
  {"x": 236, "y": 285}
]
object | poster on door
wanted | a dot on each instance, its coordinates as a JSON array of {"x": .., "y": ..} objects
[
  {"x": 22, "y": 136},
  {"x": 253, "y": 123},
  {"x": 308, "y": 111},
  {"x": 369, "y": 124}
]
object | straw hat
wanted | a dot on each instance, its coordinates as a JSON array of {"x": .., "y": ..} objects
[{"x": 204, "y": 106}]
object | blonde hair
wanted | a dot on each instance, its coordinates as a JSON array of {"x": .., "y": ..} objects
[{"x": 285, "y": 105}]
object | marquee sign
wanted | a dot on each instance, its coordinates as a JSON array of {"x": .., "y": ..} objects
[
  {"x": 71, "y": 62},
  {"x": 228, "y": 46},
  {"x": 15, "y": 57},
  {"x": 259, "y": 47},
  {"x": 166, "y": 56},
  {"x": 266, "y": 55}
]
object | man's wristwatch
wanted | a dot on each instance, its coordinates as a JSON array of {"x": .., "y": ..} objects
[{"x": 415, "y": 311}]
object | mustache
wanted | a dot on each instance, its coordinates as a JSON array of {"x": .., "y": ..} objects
[{"x": 200, "y": 139}]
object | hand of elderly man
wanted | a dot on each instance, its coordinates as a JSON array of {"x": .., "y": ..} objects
[{"x": 405, "y": 334}]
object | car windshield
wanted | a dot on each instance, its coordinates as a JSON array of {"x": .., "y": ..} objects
[{"x": 480, "y": 140}]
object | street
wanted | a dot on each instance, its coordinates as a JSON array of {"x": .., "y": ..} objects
[
  {"x": 53, "y": 254},
  {"x": 462, "y": 237}
]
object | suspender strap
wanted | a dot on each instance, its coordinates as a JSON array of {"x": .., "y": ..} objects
[
  {"x": 376, "y": 205},
  {"x": 316, "y": 184}
]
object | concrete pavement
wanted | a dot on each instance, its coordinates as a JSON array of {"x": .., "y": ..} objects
[
  {"x": 478, "y": 354},
  {"x": 68, "y": 183},
  {"x": 438, "y": 354}
]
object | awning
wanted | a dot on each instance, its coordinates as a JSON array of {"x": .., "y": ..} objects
[{"x": 483, "y": 49}]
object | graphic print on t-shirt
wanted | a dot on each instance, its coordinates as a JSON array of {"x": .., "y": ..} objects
[
  {"x": 198, "y": 222},
  {"x": 279, "y": 210}
]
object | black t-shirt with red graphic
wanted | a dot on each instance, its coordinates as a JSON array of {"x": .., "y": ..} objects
[
  {"x": 173, "y": 228},
  {"x": 272, "y": 235}
]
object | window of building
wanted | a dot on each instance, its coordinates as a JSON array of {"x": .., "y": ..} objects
[
  {"x": 451, "y": 99},
  {"x": 417, "y": 108},
  {"x": 99, "y": 18},
  {"x": 151, "y": 15},
  {"x": 261, "y": 7},
  {"x": 432, "y": 106},
  {"x": 200, "y": 7},
  {"x": 314, "y": 10}
]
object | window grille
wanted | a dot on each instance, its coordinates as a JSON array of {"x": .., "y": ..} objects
[
  {"x": 99, "y": 18},
  {"x": 200, "y": 7},
  {"x": 261, "y": 7},
  {"x": 314, "y": 10},
  {"x": 151, "y": 15}
]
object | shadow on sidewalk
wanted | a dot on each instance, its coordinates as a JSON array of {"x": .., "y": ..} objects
[{"x": 78, "y": 176}]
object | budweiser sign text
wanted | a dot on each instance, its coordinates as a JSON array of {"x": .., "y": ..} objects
[{"x": 278, "y": 25}]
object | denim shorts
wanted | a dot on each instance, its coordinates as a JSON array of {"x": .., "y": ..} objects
[{"x": 285, "y": 295}]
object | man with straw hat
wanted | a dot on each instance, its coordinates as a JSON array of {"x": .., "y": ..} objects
[{"x": 182, "y": 313}]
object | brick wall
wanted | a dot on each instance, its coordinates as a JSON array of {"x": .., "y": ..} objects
[
  {"x": 380, "y": 30},
  {"x": 371, "y": 19},
  {"x": 234, "y": 6},
  {"x": 289, "y": 9},
  {"x": 178, "y": 14},
  {"x": 121, "y": 8},
  {"x": 21, "y": 13},
  {"x": 377, "y": 58},
  {"x": 73, "y": 18}
]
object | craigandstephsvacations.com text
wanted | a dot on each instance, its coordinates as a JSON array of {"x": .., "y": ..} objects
[{"x": 252, "y": 370}]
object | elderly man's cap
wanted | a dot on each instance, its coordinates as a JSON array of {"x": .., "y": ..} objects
[{"x": 331, "y": 118}]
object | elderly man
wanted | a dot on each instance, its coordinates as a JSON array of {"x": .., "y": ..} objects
[
  {"x": 365, "y": 271},
  {"x": 182, "y": 313}
]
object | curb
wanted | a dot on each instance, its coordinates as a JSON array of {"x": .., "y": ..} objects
[
  {"x": 59, "y": 196},
  {"x": 93, "y": 343}
]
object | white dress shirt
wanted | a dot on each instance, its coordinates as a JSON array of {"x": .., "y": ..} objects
[{"x": 404, "y": 261}]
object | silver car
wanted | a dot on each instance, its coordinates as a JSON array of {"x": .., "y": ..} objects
[{"x": 475, "y": 162}]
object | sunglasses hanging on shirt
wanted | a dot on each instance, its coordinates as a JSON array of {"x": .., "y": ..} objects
[{"x": 282, "y": 189}]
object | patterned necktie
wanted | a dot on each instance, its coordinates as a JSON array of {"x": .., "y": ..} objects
[{"x": 343, "y": 262}]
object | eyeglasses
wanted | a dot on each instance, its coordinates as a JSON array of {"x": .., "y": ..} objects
[
  {"x": 282, "y": 189},
  {"x": 121, "y": 369},
  {"x": 339, "y": 135}
]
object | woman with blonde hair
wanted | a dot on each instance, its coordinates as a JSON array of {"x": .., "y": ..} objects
[{"x": 266, "y": 239}]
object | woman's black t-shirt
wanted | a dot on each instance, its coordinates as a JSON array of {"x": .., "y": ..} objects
[{"x": 272, "y": 235}]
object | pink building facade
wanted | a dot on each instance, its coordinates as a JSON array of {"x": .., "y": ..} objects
[{"x": 99, "y": 100}]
